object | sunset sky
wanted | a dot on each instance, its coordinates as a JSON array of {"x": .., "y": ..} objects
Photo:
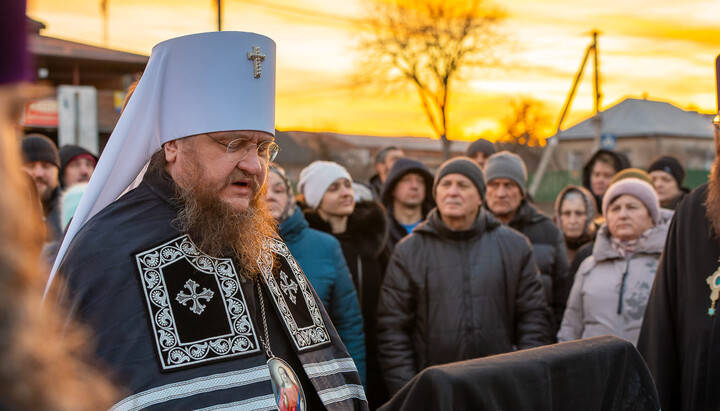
[{"x": 662, "y": 49}]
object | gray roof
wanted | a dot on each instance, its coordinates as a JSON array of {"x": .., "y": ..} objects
[
  {"x": 405, "y": 143},
  {"x": 644, "y": 118}
]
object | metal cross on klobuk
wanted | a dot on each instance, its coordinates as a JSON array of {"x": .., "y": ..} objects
[{"x": 257, "y": 57}]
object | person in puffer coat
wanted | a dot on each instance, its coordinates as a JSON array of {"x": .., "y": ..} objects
[
  {"x": 507, "y": 199},
  {"x": 460, "y": 286},
  {"x": 321, "y": 259},
  {"x": 612, "y": 287},
  {"x": 361, "y": 228}
]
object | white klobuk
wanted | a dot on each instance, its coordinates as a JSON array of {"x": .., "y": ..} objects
[{"x": 201, "y": 83}]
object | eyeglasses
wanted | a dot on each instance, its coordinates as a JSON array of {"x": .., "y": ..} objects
[{"x": 238, "y": 149}]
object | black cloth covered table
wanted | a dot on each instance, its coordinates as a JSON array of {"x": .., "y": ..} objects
[{"x": 601, "y": 373}]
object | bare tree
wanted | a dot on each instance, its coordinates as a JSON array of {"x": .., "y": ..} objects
[
  {"x": 527, "y": 124},
  {"x": 525, "y": 130},
  {"x": 427, "y": 44}
]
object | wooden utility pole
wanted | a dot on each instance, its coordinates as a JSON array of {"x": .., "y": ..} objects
[
  {"x": 597, "y": 119},
  {"x": 219, "y": 15},
  {"x": 104, "y": 10}
]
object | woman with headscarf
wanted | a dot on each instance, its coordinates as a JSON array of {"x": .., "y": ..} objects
[
  {"x": 575, "y": 212},
  {"x": 321, "y": 259},
  {"x": 362, "y": 229},
  {"x": 612, "y": 286}
]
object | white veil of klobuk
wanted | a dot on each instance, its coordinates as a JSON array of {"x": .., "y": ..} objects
[{"x": 201, "y": 83}]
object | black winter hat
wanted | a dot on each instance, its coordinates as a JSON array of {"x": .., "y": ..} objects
[
  {"x": 464, "y": 166},
  {"x": 37, "y": 147},
  {"x": 402, "y": 167},
  {"x": 480, "y": 146},
  {"x": 671, "y": 166},
  {"x": 68, "y": 152}
]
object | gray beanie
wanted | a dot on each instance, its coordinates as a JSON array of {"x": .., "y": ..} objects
[
  {"x": 506, "y": 165},
  {"x": 464, "y": 166},
  {"x": 480, "y": 146}
]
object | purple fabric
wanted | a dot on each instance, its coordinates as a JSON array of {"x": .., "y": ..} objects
[{"x": 13, "y": 43}]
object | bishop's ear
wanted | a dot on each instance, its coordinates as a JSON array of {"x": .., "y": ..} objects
[{"x": 171, "y": 149}]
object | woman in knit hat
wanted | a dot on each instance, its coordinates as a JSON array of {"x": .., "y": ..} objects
[
  {"x": 321, "y": 259},
  {"x": 575, "y": 213},
  {"x": 362, "y": 229},
  {"x": 667, "y": 177},
  {"x": 612, "y": 286}
]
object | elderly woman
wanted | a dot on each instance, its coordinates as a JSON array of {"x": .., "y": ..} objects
[
  {"x": 361, "y": 227},
  {"x": 575, "y": 212},
  {"x": 612, "y": 286},
  {"x": 321, "y": 259}
]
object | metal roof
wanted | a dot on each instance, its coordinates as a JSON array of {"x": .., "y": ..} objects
[
  {"x": 59, "y": 48},
  {"x": 644, "y": 118},
  {"x": 405, "y": 143}
]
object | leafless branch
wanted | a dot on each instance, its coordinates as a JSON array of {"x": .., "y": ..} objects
[{"x": 428, "y": 43}]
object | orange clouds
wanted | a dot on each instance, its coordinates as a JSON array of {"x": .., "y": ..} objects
[{"x": 664, "y": 48}]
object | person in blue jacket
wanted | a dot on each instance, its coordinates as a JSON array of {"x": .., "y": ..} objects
[{"x": 321, "y": 259}]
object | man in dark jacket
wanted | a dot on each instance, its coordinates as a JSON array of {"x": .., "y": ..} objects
[
  {"x": 479, "y": 150},
  {"x": 460, "y": 286},
  {"x": 506, "y": 178},
  {"x": 384, "y": 160},
  {"x": 407, "y": 197},
  {"x": 42, "y": 163},
  {"x": 680, "y": 335}
]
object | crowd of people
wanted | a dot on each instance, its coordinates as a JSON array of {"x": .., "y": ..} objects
[
  {"x": 418, "y": 269},
  {"x": 202, "y": 275}
]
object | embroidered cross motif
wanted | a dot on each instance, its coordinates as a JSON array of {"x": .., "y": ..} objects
[
  {"x": 196, "y": 307},
  {"x": 257, "y": 57},
  {"x": 290, "y": 288}
]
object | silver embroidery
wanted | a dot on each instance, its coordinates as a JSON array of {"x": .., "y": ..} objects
[
  {"x": 290, "y": 289},
  {"x": 173, "y": 352},
  {"x": 194, "y": 296},
  {"x": 303, "y": 338}
]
